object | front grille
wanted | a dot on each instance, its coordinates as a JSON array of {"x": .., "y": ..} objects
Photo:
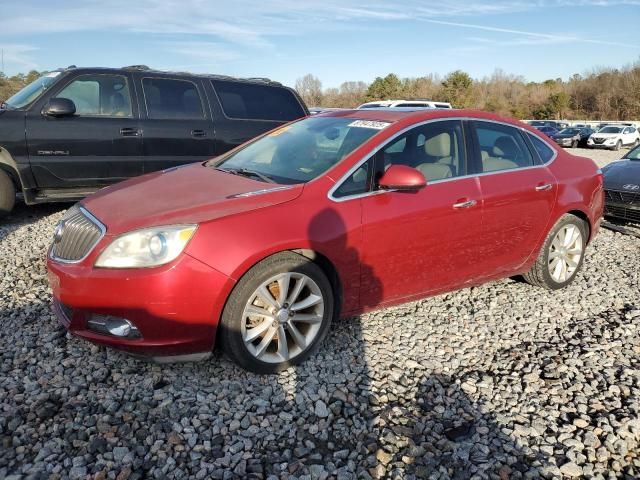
[
  {"x": 629, "y": 214},
  {"x": 599, "y": 140},
  {"x": 627, "y": 198},
  {"x": 76, "y": 234}
]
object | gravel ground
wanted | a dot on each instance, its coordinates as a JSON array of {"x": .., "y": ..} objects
[{"x": 501, "y": 381}]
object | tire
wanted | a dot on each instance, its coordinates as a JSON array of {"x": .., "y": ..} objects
[
  {"x": 7, "y": 194},
  {"x": 574, "y": 144},
  {"x": 540, "y": 274},
  {"x": 261, "y": 351},
  {"x": 618, "y": 145},
  {"x": 636, "y": 143}
]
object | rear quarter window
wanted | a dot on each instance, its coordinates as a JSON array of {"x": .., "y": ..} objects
[
  {"x": 545, "y": 152},
  {"x": 250, "y": 101}
]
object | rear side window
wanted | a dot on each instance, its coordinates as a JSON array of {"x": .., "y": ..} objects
[
  {"x": 172, "y": 99},
  {"x": 502, "y": 147},
  {"x": 545, "y": 152},
  {"x": 257, "y": 102}
]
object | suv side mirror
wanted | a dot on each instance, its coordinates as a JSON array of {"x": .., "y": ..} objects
[
  {"x": 59, "y": 107},
  {"x": 403, "y": 178}
]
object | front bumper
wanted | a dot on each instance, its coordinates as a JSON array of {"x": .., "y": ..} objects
[
  {"x": 610, "y": 145},
  {"x": 624, "y": 205},
  {"x": 175, "y": 307}
]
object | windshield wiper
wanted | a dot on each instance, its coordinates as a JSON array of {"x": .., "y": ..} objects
[{"x": 245, "y": 172}]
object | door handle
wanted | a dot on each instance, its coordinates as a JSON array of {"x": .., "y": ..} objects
[
  {"x": 465, "y": 204},
  {"x": 129, "y": 132},
  {"x": 198, "y": 133},
  {"x": 542, "y": 188}
]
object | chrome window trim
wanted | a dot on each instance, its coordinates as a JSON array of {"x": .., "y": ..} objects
[
  {"x": 377, "y": 148},
  {"x": 103, "y": 231}
]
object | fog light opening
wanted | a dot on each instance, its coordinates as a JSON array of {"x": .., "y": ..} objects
[{"x": 114, "y": 326}]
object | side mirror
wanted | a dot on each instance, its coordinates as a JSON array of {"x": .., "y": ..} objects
[
  {"x": 403, "y": 178},
  {"x": 59, "y": 107}
]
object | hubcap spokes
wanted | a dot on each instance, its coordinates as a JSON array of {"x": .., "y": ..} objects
[
  {"x": 282, "y": 317},
  {"x": 565, "y": 253}
]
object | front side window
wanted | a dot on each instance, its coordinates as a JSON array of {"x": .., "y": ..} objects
[
  {"x": 436, "y": 149},
  {"x": 171, "y": 99},
  {"x": 357, "y": 183},
  {"x": 253, "y": 101},
  {"x": 99, "y": 95},
  {"x": 301, "y": 151},
  {"x": 501, "y": 147}
]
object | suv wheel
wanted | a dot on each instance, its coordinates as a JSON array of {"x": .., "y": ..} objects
[
  {"x": 7, "y": 194},
  {"x": 618, "y": 145},
  {"x": 561, "y": 255},
  {"x": 278, "y": 314}
]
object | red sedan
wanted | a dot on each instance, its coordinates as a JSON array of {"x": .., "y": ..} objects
[{"x": 329, "y": 216}]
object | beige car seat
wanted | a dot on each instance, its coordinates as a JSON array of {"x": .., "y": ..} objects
[
  {"x": 439, "y": 149},
  {"x": 503, "y": 155}
]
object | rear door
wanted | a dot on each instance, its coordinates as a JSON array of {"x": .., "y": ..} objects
[
  {"x": 246, "y": 109},
  {"x": 176, "y": 122},
  {"x": 99, "y": 145},
  {"x": 518, "y": 192}
]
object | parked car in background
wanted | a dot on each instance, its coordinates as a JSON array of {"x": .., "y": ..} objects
[
  {"x": 333, "y": 215},
  {"x": 76, "y": 130},
  {"x": 548, "y": 123},
  {"x": 614, "y": 137},
  {"x": 572, "y": 137},
  {"x": 548, "y": 131},
  {"x": 405, "y": 104},
  {"x": 622, "y": 187}
]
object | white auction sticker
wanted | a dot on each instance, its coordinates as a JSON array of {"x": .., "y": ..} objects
[{"x": 369, "y": 124}]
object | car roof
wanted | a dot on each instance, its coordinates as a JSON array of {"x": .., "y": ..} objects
[{"x": 411, "y": 115}]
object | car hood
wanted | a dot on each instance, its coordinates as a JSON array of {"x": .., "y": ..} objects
[
  {"x": 606, "y": 135},
  {"x": 623, "y": 172},
  {"x": 188, "y": 194}
]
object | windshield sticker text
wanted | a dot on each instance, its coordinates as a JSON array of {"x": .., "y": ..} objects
[{"x": 369, "y": 124}]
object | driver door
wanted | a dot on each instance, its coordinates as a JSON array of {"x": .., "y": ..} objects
[{"x": 424, "y": 241}]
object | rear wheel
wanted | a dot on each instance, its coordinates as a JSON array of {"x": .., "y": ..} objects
[
  {"x": 7, "y": 194},
  {"x": 561, "y": 255},
  {"x": 278, "y": 314}
]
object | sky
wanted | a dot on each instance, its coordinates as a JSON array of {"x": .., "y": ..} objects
[{"x": 335, "y": 40}]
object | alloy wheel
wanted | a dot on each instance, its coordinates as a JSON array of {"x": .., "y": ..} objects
[
  {"x": 282, "y": 317},
  {"x": 565, "y": 253}
]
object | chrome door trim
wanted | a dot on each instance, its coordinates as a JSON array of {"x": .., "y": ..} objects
[{"x": 377, "y": 148}]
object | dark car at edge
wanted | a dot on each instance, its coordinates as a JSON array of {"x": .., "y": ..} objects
[{"x": 622, "y": 187}]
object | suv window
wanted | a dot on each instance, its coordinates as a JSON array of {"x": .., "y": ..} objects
[
  {"x": 99, "y": 95},
  {"x": 257, "y": 102},
  {"x": 501, "y": 147},
  {"x": 545, "y": 152},
  {"x": 436, "y": 149},
  {"x": 172, "y": 99}
]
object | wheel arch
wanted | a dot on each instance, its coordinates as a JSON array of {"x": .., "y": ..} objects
[
  {"x": 583, "y": 216},
  {"x": 10, "y": 167}
]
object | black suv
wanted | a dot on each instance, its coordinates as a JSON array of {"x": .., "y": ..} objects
[{"x": 75, "y": 130}]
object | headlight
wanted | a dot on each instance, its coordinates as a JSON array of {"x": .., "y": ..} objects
[{"x": 146, "y": 248}]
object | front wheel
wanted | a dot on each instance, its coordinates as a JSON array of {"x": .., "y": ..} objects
[
  {"x": 278, "y": 314},
  {"x": 574, "y": 144},
  {"x": 561, "y": 255},
  {"x": 7, "y": 194},
  {"x": 618, "y": 145}
]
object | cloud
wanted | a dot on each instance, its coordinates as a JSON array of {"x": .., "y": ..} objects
[{"x": 19, "y": 55}]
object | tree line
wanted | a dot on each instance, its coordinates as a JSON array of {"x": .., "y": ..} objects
[{"x": 604, "y": 93}]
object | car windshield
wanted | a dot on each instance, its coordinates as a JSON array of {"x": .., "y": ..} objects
[
  {"x": 301, "y": 151},
  {"x": 569, "y": 131},
  {"x": 633, "y": 154},
  {"x": 31, "y": 92},
  {"x": 610, "y": 130}
]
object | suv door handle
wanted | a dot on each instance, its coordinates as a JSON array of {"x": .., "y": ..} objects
[
  {"x": 129, "y": 132},
  {"x": 542, "y": 188},
  {"x": 465, "y": 204},
  {"x": 198, "y": 133}
]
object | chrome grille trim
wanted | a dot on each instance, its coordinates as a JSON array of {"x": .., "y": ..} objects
[{"x": 80, "y": 234}]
